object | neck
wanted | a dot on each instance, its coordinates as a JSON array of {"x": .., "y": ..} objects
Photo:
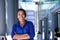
[{"x": 22, "y": 22}]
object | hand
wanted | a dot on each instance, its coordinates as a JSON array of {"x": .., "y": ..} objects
[
  {"x": 21, "y": 37},
  {"x": 17, "y": 37}
]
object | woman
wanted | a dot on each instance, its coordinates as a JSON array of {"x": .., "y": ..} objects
[{"x": 23, "y": 29}]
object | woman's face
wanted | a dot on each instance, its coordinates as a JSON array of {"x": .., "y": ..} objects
[{"x": 20, "y": 16}]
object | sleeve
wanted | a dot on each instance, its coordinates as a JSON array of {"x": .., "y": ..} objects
[
  {"x": 13, "y": 30},
  {"x": 32, "y": 31}
]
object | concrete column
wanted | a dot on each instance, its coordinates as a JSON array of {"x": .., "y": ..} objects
[
  {"x": 12, "y": 6},
  {"x": 15, "y": 9},
  {"x": 51, "y": 25},
  {"x": 2, "y": 18}
]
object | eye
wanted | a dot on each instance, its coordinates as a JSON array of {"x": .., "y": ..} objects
[{"x": 18, "y": 13}]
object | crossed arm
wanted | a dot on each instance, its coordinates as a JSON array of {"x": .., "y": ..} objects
[{"x": 21, "y": 37}]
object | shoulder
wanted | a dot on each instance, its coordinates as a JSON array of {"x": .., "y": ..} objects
[
  {"x": 15, "y": 24},
  {"x": 29, "y": 23}
]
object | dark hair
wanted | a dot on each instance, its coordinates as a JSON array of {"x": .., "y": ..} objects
[{"x": 22, "y": 10}]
